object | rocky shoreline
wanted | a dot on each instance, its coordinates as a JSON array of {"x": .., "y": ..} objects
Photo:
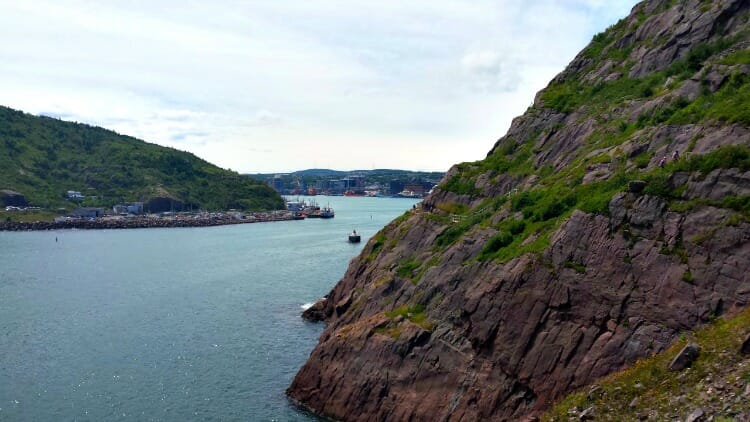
[{"x": 139, "y": 223}]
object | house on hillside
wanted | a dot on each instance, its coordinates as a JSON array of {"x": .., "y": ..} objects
[{"x": 74, "y": 194}]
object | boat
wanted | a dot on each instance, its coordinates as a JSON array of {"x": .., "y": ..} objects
[
  {"x": 326, "y": 212},
  {"x": 354, "y": 237},
  {"x": 312, "y": 210},
  {"x": 408, "y": 194},
  {"x": 295, "y": 206}
]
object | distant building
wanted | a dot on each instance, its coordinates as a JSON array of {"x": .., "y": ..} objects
[
  {"x": 88, "y": 212},
  {"x": 133, "y": 208},
  {"x": 74, "y": 194},
  {"x": 416, "y": 188}
]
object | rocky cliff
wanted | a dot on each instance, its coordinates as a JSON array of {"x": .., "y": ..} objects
[{"x": 613, "y": 216}]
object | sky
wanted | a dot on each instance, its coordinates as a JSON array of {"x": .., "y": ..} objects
[{"x": 264, "y": 86}]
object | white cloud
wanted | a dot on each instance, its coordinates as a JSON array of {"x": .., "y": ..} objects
[{"x": 277, "y": 86}]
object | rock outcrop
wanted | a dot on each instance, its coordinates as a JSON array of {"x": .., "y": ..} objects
[{"x": 581, "y": 244}]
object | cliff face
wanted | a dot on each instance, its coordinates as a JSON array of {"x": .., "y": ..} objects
[{"x": 579, "y": 245}]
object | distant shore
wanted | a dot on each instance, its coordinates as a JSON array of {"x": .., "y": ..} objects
[{"x": 140, "y": 222}]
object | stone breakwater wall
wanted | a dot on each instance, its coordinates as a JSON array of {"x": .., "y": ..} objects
[{"x": 133, "y": 223}]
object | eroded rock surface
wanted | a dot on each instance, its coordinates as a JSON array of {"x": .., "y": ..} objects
[{"x": 462, "y": 338}]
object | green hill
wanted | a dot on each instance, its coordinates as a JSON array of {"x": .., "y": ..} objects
[{"x": 43, "y": 158}]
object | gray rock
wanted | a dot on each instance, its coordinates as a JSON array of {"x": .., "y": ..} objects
[
  {"x": 588, "y": 414},
  {"x": 594, "y": 393},
  {"x": 697, "y": 415},
  {"x": 686, "y": 357}
]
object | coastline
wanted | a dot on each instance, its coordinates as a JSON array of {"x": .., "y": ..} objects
[{"x": 142, "y": 222}]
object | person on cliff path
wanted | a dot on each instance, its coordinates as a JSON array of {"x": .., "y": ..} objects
[
  {"x": 675, "y": 155},
  {"x": 663, "y": 161}
]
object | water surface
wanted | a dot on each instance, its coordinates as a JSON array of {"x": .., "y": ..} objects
[{"x": 169, "y": 324}]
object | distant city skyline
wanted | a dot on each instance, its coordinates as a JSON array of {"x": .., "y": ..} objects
[{"x": 276, "y": 87}]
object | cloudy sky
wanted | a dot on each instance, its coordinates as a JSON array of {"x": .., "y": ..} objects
[{"x": 283, "y": 85}]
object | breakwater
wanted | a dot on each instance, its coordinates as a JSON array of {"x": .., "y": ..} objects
[{"x": 218, "y": 219}]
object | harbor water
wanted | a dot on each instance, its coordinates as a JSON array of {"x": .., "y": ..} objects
[{"x": 169, "y": 324}]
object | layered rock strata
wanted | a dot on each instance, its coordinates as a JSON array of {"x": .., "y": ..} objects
[{"x": 481, "y": 307}]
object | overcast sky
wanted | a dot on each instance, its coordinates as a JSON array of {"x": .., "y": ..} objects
[{"x": 283, "y": 85}]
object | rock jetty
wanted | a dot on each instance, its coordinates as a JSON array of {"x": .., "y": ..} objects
[{"x": 139, "y": 222}]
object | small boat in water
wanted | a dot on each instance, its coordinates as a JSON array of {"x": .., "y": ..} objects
[
  {"x": 326, "y": 212},
  {"x": 354, "y": 237}
]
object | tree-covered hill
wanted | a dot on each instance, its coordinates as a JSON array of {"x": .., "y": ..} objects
[{"x": 43, "y": 158}]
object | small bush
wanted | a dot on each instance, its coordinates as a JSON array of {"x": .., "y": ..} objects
[
  {"x": 687, "y": 277},
  {"x": 495, "y": 244},
  {"x": 406, "y": 269},
  {"x": 461, "y": 186}
]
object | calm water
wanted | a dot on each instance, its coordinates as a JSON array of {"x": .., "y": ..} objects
[{"x": 169, "y": 324}]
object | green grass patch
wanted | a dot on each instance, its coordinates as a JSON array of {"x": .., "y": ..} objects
[
  {"x": 379, "y": 242},
  {"x": 579, "y": 268},
  {"x": 406, "y": 269},
  {"x": 729, "y": 104},
  {"x": 688, "y": 277},
  {"x": 28, "y": 216},
  {"x": 741, "y": 204},
  {"x": 495, "y": 243},
  {"x": 571, "y": 94},
  {"x": 456, "y": 230},
  {"x": 414, "y": 313},
  {"x": 460, "y": 185},
  {"x": 738, "y": 57},
  {"x": 453, "y": 208}
]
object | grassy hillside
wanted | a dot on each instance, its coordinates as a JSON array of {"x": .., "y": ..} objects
[
  {"x": 43, "y": 158},
  {"x": 718, "y": 382},
  {"x": 600, "y": 124}
]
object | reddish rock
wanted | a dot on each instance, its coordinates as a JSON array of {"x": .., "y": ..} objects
[{"x": 503, "y": 341}]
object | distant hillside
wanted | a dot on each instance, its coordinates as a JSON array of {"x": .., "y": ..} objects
[
  {"x": 43, "y": 158},
  {"x": 320, "y": 173},
  {"x": 328, "y": 173}
]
